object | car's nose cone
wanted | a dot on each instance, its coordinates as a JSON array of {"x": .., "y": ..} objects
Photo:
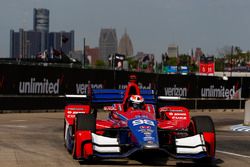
[{"x": 151, "y": 146}]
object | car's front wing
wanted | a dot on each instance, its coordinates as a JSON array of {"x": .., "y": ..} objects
[{"x": 192, "y": 147}]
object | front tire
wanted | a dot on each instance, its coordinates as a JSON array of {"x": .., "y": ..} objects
[
  {"x": 200, "y": 124},
  {"x": 84, "y": 122},
  {"x": 69, "y": 141}
]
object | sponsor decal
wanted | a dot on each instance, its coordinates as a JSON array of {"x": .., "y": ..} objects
[
  {"x": 180, "y": 114},
  {"x": 168, "y": 126},
  {"x": 81, "y": 88},
  {"x": 179, "y": 118},
  {"x": 143, "y": 121},
  {"x": 76, "y": 112},
  {"x": 146, "y": 132},
  {"x": 220, "y": 92},
  {"x": 175, "y": 91},
  {"x": 109, "y": 108},
  {"x": 39, "y": 87},
  {"x": 150, "y": 142},
  {"x": 145, "y": 127},
  {"x": 164, "y": 109},
  {"x": 148, "y": 138},
  {"x": 140, "y": 85},
  {"x": 71, "y": 114}
]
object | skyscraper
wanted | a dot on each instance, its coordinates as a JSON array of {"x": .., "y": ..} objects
[
  {"x": 14, "y": 44},
  {"x": 107, "y": 43},
  {"x": 41, "y": 20},
  {"x": 27, "y": 44},
  {"x": 24, "y": 44},
  {"x": 125, "y": 45},
  {"x": 62, "y": 41},
  {"x": 41, "y": 24},
  {"x": 173, "y": 50}
]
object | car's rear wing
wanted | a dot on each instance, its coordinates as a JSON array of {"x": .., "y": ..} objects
[
  {"x": 169, "y": 100},
  {"x": 77, "y": 99},
  {"x": 101, "y": 97},
  {"x": 110, "y": 96}
]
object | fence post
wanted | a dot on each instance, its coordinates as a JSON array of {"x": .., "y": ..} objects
[
  {"x": 247, "y": 113},
  {"x": 195, "y": 104}
]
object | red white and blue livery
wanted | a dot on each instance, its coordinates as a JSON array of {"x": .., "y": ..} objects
[{"x": 138, "y": 121}]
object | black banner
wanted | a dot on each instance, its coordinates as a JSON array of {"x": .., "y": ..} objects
[
  {"x": 43, "y": 81},
  {"x": 177, "y": 85},
  {"x": 39, "y": 80}
]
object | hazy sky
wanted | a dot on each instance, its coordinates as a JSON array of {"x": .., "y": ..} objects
[{"x": 151, "y": 24}]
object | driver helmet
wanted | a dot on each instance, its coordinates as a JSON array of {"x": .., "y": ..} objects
[{"x": 136, "y": 101}]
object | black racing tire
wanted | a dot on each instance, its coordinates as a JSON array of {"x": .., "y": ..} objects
[
  {"x": 85, "y": 122},
  {"x": 200, "y": 124},
  {"x": 203, "y": 124},
  {"x": 69, "y": 143},
  {"x": 64, "y": 127}
]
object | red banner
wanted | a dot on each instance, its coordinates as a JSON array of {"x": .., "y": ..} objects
[
  {"x": 203, "y": 68},
  {"x": 210, "y": 68},
  {"x": 207, "y": 65}
]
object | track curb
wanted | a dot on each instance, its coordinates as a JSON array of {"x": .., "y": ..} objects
[{"x": 240, "y": 128}]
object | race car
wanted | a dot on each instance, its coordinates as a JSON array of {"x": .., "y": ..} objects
[{"x": 135, "y": 123}]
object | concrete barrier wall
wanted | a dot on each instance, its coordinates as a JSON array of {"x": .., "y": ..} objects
[{"x": 39, "y": 87}]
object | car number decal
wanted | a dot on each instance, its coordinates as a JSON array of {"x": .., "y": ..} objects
[{"x": 143, "y": 121}]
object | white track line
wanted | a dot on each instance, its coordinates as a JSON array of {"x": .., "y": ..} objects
[
  {"x": 229, "y": 153},
  {"x": 15, "y": 126},
  {"x": 18, "y": 120}
]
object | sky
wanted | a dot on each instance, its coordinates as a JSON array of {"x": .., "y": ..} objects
[{"x": 151, "y": 24}]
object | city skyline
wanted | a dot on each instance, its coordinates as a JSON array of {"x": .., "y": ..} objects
[{"x": 152, "y": 25}]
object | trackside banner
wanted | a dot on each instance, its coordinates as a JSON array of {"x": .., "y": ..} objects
[
  {"x": 54, "y": 81},
  {"x": 39, "y": 87}
]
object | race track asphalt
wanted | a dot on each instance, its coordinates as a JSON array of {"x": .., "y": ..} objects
[{"x": 36, "y": 140}]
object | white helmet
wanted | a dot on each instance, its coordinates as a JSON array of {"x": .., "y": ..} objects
[{"x": 136, "y": 101}]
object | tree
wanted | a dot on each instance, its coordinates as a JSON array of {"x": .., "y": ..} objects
[
  {"x": 193, "y": 68},
  {"x": 132, "y": 63},
  {"x": 237, "y": 50},
  {"x": 184, "y": 60},
  {"x": 226, "y": 50},
  {"x": 165, "y": 58},
  {"x": 100, "y": 63},
  {"x": 219, "y": 64},
  {"x": 172, "y": 61}
]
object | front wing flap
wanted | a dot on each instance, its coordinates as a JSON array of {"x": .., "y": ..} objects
[{"x": 192, "y": 147}]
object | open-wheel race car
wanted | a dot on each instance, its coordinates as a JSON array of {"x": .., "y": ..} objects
[{"x": 136, "y": 122}]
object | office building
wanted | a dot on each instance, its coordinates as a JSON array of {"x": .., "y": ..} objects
[
  {"x": 198, "y": 53},
  {"x": 92, "y": 55},
  {"x": 173, "y": 50},
  {"x": 24, "y": 44},
  {"x": 125, "y": 45},
  {"x": 41, "y": 20},
  {"x": 41, "y": 24},
  {"x": 62, "y": 41},
  {"x": 27, "y": 44},
  {"x": 107, "y": 43}
]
